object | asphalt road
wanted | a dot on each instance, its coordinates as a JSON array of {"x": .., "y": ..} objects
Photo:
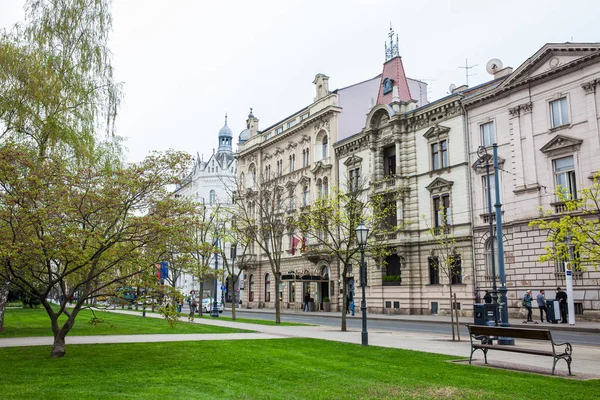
[{"x": 354, "y": 323}]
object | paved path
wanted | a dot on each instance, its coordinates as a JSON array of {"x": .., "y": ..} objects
[{"x": 586, "y": 362}]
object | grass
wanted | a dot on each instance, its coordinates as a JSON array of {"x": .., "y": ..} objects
[
  {"x": 264, "y": 369},
  {"x": 35, "y": 322},
  {"x": 256, "y": 321}
]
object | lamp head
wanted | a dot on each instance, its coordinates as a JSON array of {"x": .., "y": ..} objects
[{"x": 362, "y": 232}]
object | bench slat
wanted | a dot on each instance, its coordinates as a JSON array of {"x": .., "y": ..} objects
[
  {"x": 514, "y": 349},
  {"x": 521, "y": 333}
]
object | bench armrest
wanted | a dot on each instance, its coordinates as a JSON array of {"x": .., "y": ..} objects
[{"x": 568, "y": 347}]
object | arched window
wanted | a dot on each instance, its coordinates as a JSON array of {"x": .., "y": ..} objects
[
  {"x": 325, "y": 142},
  {"x": 267, "y": 288},
  {"x": 305, "y": 195},
  {"x": 488, "y": 259},
  {"x": 326, "y": 187},
  {"x": 242, "y": 181},
  {"x": 251, "y": 291},
  {"x": 319, "y": 187},
  {"x": 212, "y": 197}
]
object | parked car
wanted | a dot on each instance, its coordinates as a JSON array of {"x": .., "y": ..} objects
[{"x": 207, "y": 305}]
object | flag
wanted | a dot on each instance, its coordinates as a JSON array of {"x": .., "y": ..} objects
[
  {"x": 158, "y": 271},
  {"x": 164, "y": 270},
  {"x": 295, "y": 242},
  {"x": 303, "y": 248}
]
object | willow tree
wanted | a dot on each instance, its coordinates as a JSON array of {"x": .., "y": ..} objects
[
  {"x": 56, "y": 83},
  {"x": 81, "y": 231},
  {"x": 329, "y": 226}
]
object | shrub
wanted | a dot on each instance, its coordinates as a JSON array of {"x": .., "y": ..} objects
[
  {"x": 392, "y": 278},
  {"x": 325, "y": 299}
]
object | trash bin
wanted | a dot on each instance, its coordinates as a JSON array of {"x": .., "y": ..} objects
[
  {"x": 553, "y": 310},
  {"x": 484, "y": 314}
]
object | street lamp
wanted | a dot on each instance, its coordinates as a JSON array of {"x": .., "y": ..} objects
[
  {"x": 361, "y": 237},
  {"x": 215, "y": 311},
  {"x": 484, "y": 158},
  {"x": 569, "y": 280}
]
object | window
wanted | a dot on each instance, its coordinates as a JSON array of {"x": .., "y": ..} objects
[
  {"x": 319, "y": 187},
  {"x": 212, "y": 197},
  {"x": 267, "y": 288},
  {"x": 243, "y": 182},
  {"x": 305, "y": 158},
  {"x": 268, "y": 172},
  {"x": 279, "y": 167},
  {"x": 559, "y": 113},
  {"x": 391, "y": 218},
  {"x": 325, "y": 147},
  {"x": 279, "y": 130},
  {"x": 573, "y": 254},
  {"x": 354, "y": 181},
  {"x": 441, "y": 208},
  {"x": 488, "y": 259},
  {"x": 303, "y": 117},
  {"x": 267, "y": 242},
  {"x": 325, "y": 187},
  {"x": 439, "y": 154},
  {"x": 488, "y": 134},
  {"x": 434, "y": 271},
  {"x": 251, "y": 290},
  {"x": 291, "y": 205},
  {"x": 291, "y": 292},
  {"x": 492, "y": 192},
  {"x": 292, "y": 159},
  {"x": 455, "y": 265},
  {"x": 305, "y": 196},
  {"x": 389, "y": 154},
  {"x": 291, "y": 123},
  {"x": 564, "y": 174},
  {"x": 291, "y": 235},
  {"x": 392, "y": 268}
]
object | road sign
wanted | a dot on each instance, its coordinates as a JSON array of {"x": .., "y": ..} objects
[{"x": 223, "y": 287}]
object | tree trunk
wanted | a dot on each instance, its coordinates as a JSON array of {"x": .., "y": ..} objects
[
  {"x": 344, "y": 300},
  {"x": 4, "y": 286},
  {"x": 452, "y": 310},
  {"x": 457, "y": 320},
  {"x": 277, "y": 304},
  {"x": 233, "y": 299},
  {"x": 200, "y": 295},
  {"x": 59, "y": 345}
]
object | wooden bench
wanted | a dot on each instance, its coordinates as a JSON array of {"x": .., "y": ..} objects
[{"x": 482, "y": 338}]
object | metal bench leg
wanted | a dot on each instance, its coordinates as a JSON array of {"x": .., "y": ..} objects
[
  {"x": 554, "y": 365},
  {"x": 485, "y": 354},
  {"x": 471, "y": 356},
  {"x": 568, "y": 360}
]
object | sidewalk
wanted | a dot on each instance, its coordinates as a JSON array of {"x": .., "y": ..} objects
[{"x": 580, "y": 326}]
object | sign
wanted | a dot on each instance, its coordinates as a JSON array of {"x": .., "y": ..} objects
[
  {"x": 223, "y": 288},
  {"x": 242, "y": 284}
]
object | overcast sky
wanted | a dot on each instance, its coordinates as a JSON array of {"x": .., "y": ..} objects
[{"x": 185, "y": 64}]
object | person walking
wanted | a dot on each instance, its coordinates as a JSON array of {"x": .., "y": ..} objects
[
  {"x": 306, "y": 300},
  {"x": 541, "y": 302},
  {"x": 487, "y": 298},
  {"x": 562, "y": 302},
  {"x": 527, "y": 303}
]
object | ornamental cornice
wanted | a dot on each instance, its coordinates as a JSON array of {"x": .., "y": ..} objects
[
  {"x": 590, "y": 87},
  {"x": 516, "y": 111}
]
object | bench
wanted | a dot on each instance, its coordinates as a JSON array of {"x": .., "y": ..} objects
[{"x": 482, "y": 338}]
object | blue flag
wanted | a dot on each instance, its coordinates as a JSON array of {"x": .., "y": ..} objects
[{"x": 164, "y": 269}]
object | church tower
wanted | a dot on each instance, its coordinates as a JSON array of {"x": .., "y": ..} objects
[{"x": 225, "y": 138}]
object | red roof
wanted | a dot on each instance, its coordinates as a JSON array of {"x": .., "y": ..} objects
[{"x": 394, "y": 70}]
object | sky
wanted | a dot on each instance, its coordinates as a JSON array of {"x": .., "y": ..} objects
[{"x": 186, "y": 63}]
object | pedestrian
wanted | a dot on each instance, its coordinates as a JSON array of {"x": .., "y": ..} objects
[
  {"x": 562, "y": 302},
  {"x": 487, "y": 298},
  {"x": 541, "y": 302},
  {"x": 193, "y": 305},
  {"x": 347, "y": 304},
  {"x": 352, "y": 307},
  {"x": 527, "y": 303},
  {"x": 306, "y": 300}
]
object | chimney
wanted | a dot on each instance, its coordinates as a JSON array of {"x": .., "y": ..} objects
[{"x": 321, "y": 82}]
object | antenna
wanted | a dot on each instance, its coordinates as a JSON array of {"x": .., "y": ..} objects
[
  {"x": 452, "y": 87},
  {"x": 467, "y": 68},
  {"x": 493, "y": 66}
]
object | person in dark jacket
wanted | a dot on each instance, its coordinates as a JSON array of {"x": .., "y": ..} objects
[
  {"x": 541, "y": 302},
  {"x": 306, "y": 300},
  {"x": 487, "y": 298},
  {"x": 527, "y": 302},
  {"x": 562, "y": 302}
]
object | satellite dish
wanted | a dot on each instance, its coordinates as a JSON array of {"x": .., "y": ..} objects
[
  {"x": 493, "y": 66},
  {"x": 452, "y": 87}
]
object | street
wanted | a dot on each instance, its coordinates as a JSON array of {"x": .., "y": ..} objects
[{"x": 354, "y": 323}]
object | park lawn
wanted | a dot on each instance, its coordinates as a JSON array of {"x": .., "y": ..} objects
[
  {"x": 265, "y": 369},
  {"x": 24, "y": 322},
  {"x": 256, "y": 321}
]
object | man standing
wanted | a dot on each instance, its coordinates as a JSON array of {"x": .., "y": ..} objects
[
  {"x": 562, "y": 301},
  {"x": 541, "y": 302},
  {"x": 306, "y": 300},
  {"x": 527, "y": 303}
]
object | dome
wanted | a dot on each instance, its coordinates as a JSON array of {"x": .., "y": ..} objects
[
  {"x": 244, "y": 135},
  {"x": 225, "y": 130}
]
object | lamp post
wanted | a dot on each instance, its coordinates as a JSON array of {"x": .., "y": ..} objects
[
  {"x": 483, "y": 157},
  {"x": 569, "y": 280},
  {"x": 215, "y": 311},
  {"x": 361, "y": 237}
]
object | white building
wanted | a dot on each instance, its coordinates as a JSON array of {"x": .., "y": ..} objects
[{"x": 206, "y": 184}]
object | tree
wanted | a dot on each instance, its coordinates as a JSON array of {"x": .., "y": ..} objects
[
  {"x": 56, "y": 83},
  {"x": 580, "y": 225},
  {"x": 330, "y": 224},
  {"x": 446, "y": 259},
  {"x": 260, "y": 219},
  {"x": 81, "y": 231}
]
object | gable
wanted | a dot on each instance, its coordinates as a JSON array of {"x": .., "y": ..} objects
[
  {"x": 551, "y": 59},
  {"x": 561, "y": 144},
  {"x": 352, "y": 160},
  {"x": 439, "y": 184},
  {"x": 436, "y": 131}
]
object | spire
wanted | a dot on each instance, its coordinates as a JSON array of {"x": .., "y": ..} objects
[
  {"x": 392, "y": 51},
  {"x": 225, "y": 138}
]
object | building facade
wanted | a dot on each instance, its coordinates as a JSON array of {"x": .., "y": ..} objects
[
  {"x": 544, "y": 117},
  {"x": 206, "y": 184}
]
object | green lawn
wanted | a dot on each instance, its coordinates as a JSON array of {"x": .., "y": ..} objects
[
  {"x": 35, "y": 322},
  {"x": 264, "y": 369},
  {"x": 256, "y": 321}
]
